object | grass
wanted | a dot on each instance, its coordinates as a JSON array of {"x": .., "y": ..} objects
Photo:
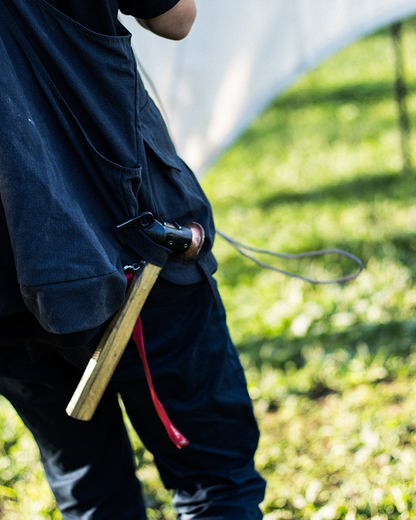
[{"x": 330, "y": 368}]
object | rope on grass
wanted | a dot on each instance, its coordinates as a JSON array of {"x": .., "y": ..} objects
[{"x": 244, "y": 250}]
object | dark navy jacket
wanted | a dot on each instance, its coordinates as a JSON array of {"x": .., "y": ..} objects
[{"x": 82, "y": 149}]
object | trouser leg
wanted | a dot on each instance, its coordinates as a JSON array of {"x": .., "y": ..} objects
[
  {"x": 199, "y": 380},
  {"x": 89, "y": 465},
  {"x": 198, "y": 377}
]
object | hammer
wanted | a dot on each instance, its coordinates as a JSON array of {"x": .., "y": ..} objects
[{"x": 186, "y": 241}]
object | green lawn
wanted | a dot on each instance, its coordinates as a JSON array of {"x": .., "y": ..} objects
[{"x": 330, "y": 368}]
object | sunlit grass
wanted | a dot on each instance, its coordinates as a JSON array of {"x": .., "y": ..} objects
[
  {"x": 330, "y": 368},
  {"x": 321, "y": 168}
]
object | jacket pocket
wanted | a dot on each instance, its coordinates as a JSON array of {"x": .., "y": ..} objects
[{"x": 156, "y": 136}]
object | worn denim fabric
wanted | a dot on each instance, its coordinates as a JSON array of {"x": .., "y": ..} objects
[{"x": 198, "y": 378}]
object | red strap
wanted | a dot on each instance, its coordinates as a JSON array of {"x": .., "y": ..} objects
[{"x": 175, "y": 435}]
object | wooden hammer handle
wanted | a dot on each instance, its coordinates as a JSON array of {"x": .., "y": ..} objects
[{"x": 104, "y": 361}]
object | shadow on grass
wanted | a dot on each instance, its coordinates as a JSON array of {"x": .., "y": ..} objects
[
  {"x": 358, "y": 93},
  {"x": 362, "y": 188},
  {"x": 392, "y": 339}
]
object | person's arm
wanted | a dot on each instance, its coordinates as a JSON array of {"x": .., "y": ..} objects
[{"x": 175, "y": 24}]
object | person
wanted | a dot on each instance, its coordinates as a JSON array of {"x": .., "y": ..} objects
[{"x": 83, "y": 148}]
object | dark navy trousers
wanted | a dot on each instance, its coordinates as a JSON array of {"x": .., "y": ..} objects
[{"x": 199, "y": 380}]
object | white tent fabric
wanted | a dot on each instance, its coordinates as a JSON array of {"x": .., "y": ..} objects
[{"x": 240, "y": 55}]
